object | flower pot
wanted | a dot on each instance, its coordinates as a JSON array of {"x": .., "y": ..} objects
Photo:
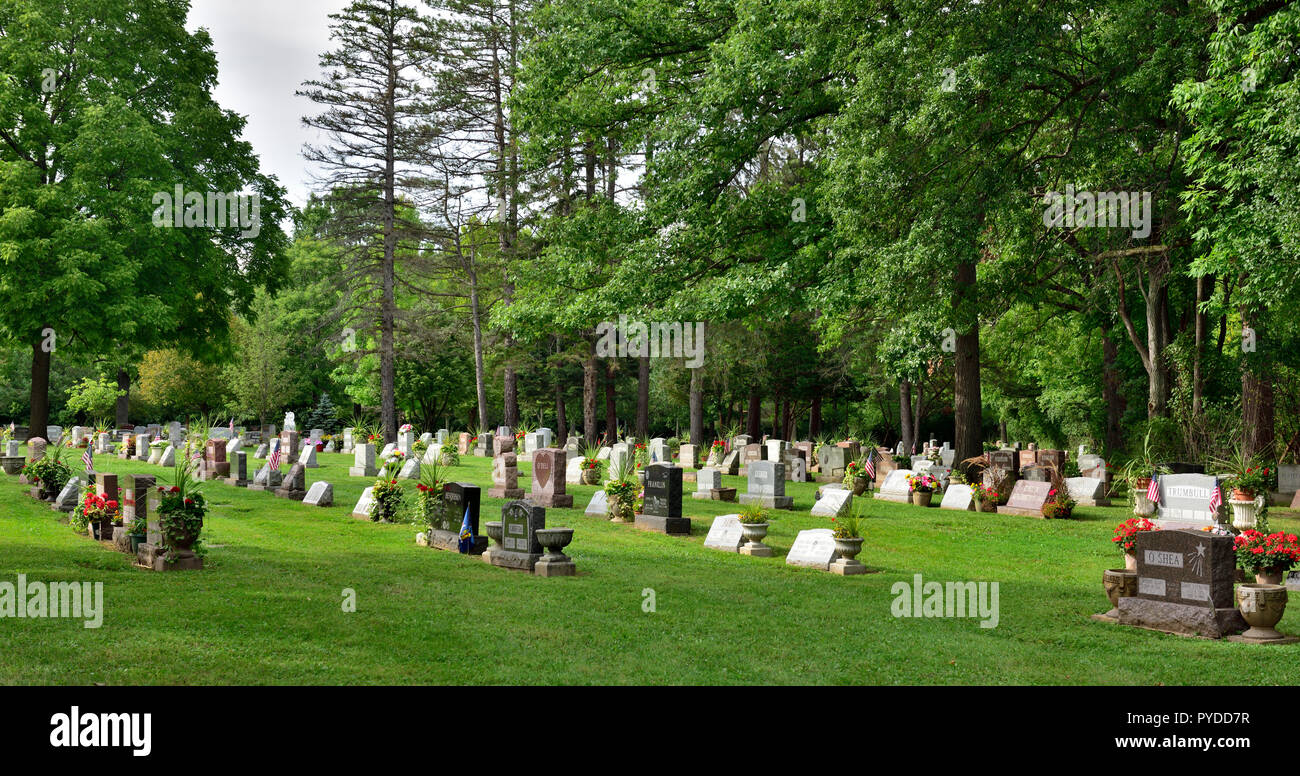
[
  {"x": 1119, "y": 583},
  {"x": 859, "y": 485},
  {"x": 136, "y": 541},
  {"x": 1243, "y": 513},
  {"x": 1269, "y": 576},
  {"x": 921, "y": 498},
  {"x": 1243, "y": 495},
  {"x": 615, "y": 511},
  {"x": 590, "y": 476},
  {"x": 849, "y": 547},
  {"x": 1130, "y": 561},
  {"x": 1262, "y": 606},
  {"x": 1143, "y": 506},
  {"x": 754, "y": 534},
  {"x": 495, "y": 531}
]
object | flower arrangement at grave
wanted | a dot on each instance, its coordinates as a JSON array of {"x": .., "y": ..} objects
[
  {"x": 846, "y": 527},
  {"x": 590, "y": 465},
  {"x": 100, "y": 511},
  {"x": 854, "y": 470},
  {"x": 418, "y": 448},
  {"x": 716, "y": 451},
  {"x": 406, "y": 427},
  {"x": 428, "y": 496},
  {"x": 449, "y": 454},
  {"x": 1137, "y": 471},
  {"x": 934, "y": 456},
  {"x": 641, "y": 455},
  {"x": 752, "y": 514},
  {"x": 387, "y": 493},
  {"x": 1250, "y": 481},
  {"x": 1059, "y": 505},
  {"x": 622, "y": 491},
  {"x": 983, "y": 496},
  {"x": 181, "y": 511},
  {"x": 50, "y": 472},
  {"x": 1126, "y": 533},
  {"x": 922, "y": 483},
  {"x": 1274, "y": 553}
]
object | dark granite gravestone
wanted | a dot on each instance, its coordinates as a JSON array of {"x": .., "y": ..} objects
[
  {"x": 519, "y": 548},
  {"x": 444, "y": 534},
  {"x": 294, "y": 485},
  {"x": 662, "y": 510},
  {"x": 1027, "y": 498},
  {"x": 1052, "y": 459},
  {"x": 1184, "y": 584},
  {"x": 239, "y": 471}
]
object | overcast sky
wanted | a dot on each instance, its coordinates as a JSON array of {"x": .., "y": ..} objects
[{"x": 266, "y": 49}]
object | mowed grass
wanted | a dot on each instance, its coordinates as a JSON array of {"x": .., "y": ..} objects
[{"x": 268, "y": 607}]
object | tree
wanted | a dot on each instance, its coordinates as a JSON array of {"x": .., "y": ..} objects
[
  {"x": 259, "y": 381},
  {"x": 94, "y": 397},
  {"x": 173, "y": 382}
]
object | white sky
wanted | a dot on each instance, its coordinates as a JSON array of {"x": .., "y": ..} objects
[{"x": 266, "y": 49}]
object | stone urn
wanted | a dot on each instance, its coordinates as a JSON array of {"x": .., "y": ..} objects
[
  {"x": 754, "y": 534},
  {"x": 1119, "y": 583},
  {"x": 860, "y": 485},
  {"x": 1270, "y": 576},
  {"x": 553, "y": 541},
  {"x": 495, "y": 531},
  {"x": 848, "y": 547},
  {"x": 615, "y": 510},
  {"x": 590, "y": 476},
  {"x": 1142, "y": 506},
  {"x": 12, "y": 464},
  {"x": 1262, "y": 606},
  {"x": 921, "y": 498},
  {"x": 1243, "y": 514}
]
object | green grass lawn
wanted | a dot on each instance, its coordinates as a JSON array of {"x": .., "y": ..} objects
[{"x": 267, "y": 609}]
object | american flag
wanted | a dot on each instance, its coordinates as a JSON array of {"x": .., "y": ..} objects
[
  {"x": 89, "y": 459},
  {"x": 273, "y": 462},
  {"x": 871, "y": 464},
  {"x": 1216, "y": 499},
  {"x": 232, "y": 425},
  {"x": 1153, "y": 490}
]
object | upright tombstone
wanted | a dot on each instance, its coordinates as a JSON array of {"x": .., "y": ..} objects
[
  {"x": 1052, "y": 459},
  {"x": 731, "y": 463},
  {"x": 35, "y": 452},
  {"x": 766, "y": 486},
  {"x": 1184, "y": 584},
  {"x": 239, "y": 471},
  {"x": 135, "y": 501},
  {"x": 460, "y": 502},
  {"x": 1185, "y": 501},
  {"x": 363, "y": 461},
  {"x": 308, "y": 458},
  {"x": 689, "y": 456},
  {"x": 896, "y": 487},
  {"x": 233, "y": 446},
  {"x": 573, "y": 470},
  {"x": 725, "y": 534},
  {"x": 261, "y": 452},
  {"x": 1087, "y": 491},
  {"x": 548, "y": 482},
  {"x": 1288, "y": 479},
  {"x": 142, "y": 447},
  {"x": 218, "y": 467},
  {"x": 289, "y": 442},
  {"x": 776, "y": 449},
  {"x": 463, "y": 441},
  {"x": 813, "y": 548},
  {"x": 658, "y": 449},
  {"x": 707, "y": 480},
  {"x": 483, "y": 446},
  {"x": 67, "y": 499},
  {"x": 520, "y": 522},
  {"x": 662, "y": 509},
  {"x": 1027, "y": 499},
  {"x": 410, "y": 469},
  {"x": 347, "y": 440},
  {"x": 364, "y": 504},
  {"x": 294, "y": 485},
  {"x": 832, "y": 460},
  {"x": 1003, "y": 470},
  {"x": 505, "y": 470},
  {"x": 167, "y": 457},
  {"x": 321, "y": 494},
  {"x": 835, "y": 502},
  {"x": 441, "y": 437},
  {"x": 405, "y": 441},
  {"x": 598, "y": 506},
  {"x": 750, "y": 454}
]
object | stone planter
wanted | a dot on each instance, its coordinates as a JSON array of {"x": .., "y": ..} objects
[
  {"x": 754, "y": 535},
  {"x": 12, "y": 465},
  {"x": 1269, "y": 576},
  {"x": 860, "y": 485},
  {"x": 614, "y": 510},
  {"x": 495, "y": 531},
  {"x": 1142, "y": 506},
  {"x": 1243, "y": 495},
  {"x": 553, "y": 562},
  {"x": 590, "y": 476},
  {"x": 1243, "y": 514},
  {"x": 1262, "y": 606},
  {"x": 921, "y": 498},
  {"x": 1119, "y": 583},
  {"x": 847, "y": 563}
]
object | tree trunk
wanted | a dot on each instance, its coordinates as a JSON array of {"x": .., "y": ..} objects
[
  {"x": 1110, "y": 394},
  {"x": 643, "y": 398},
  {"x": 815, "y": 418},
  {"x": 1203, "y": 285},
  {"x": 561, "y": 422},
  {"x": 697, "y": 408},
  {"x": 480, "y": 378},
  {"x": 611, "y": 405},
  {"x": 1257, "y": 397},
  {"x": 123, "y": 409},
  {"x": 968, "y": 417},
  {"x": 754, "y": 418},
  {"x": 40, "y": 393},
  {"x": 907, "y": 429},
  {"x": 589, "y": 397}
]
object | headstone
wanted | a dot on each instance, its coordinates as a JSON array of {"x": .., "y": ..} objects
[
  {"x": 658, "y": 450},
  {"x": 831, "y": 463},
  {"x": 1027, "y": 498},
  {"x": 363, "y": 461},
  {"x": 766, "y": 486},
  {"x": 750, "y": 454},
  {"x": 707, "y": 480},
  {"x": 598, "y": 506},
  {"x": 364, "y": 504},
  {"x": 548, "y": 485},
  {"x": 662, "y": 510},
  {"x": 410, "y": 470},
  {"x": 1027, "y": 458},
  {"x": 895, "y": 487},
  {"x": 289, "y": 442},
  {"x": 776, "y": 449},
  {"x": 959, "y": 497},
  {"x": 261, "y": 452},
  {"x": 142, "y": 447},
  {"x": 459, "y": 501},
  {"x": 321, "y": 494},
  {"x": 387, "y": 452},
  {"x": 1185, "y": 501},
  {"x": 290, "y": 424},
  {"x": 519, "y": 549},
  {"x": 483, "y": 446},
  {"x": 239, "y": 471},
  {"x": 835, "y": 502},
  {"x": 1184, "y": 584},
  {"x": 505, "y": 471},
  {"x": 405, "y": 441},
  {"x": 463, "y": 442},
  {"x": 1288, "y": 478},
  {"x": 67, "y": 499},
  {"x": 217, "y": 466},
  {"x": 573, "y": 470},
  {"x": 688, "y": 456},
  {"x": 1087, "y": 491},
  {"x": 347, "y": 440},
  {"x": 294, "y": 485},
  {"x": 308, "y": 457},
  {"x": 167, "y": 457},
  {"x": 731, "y": 463},
  {"x": 813, "y": 548},
  {"x": 725, "y": 534}
]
